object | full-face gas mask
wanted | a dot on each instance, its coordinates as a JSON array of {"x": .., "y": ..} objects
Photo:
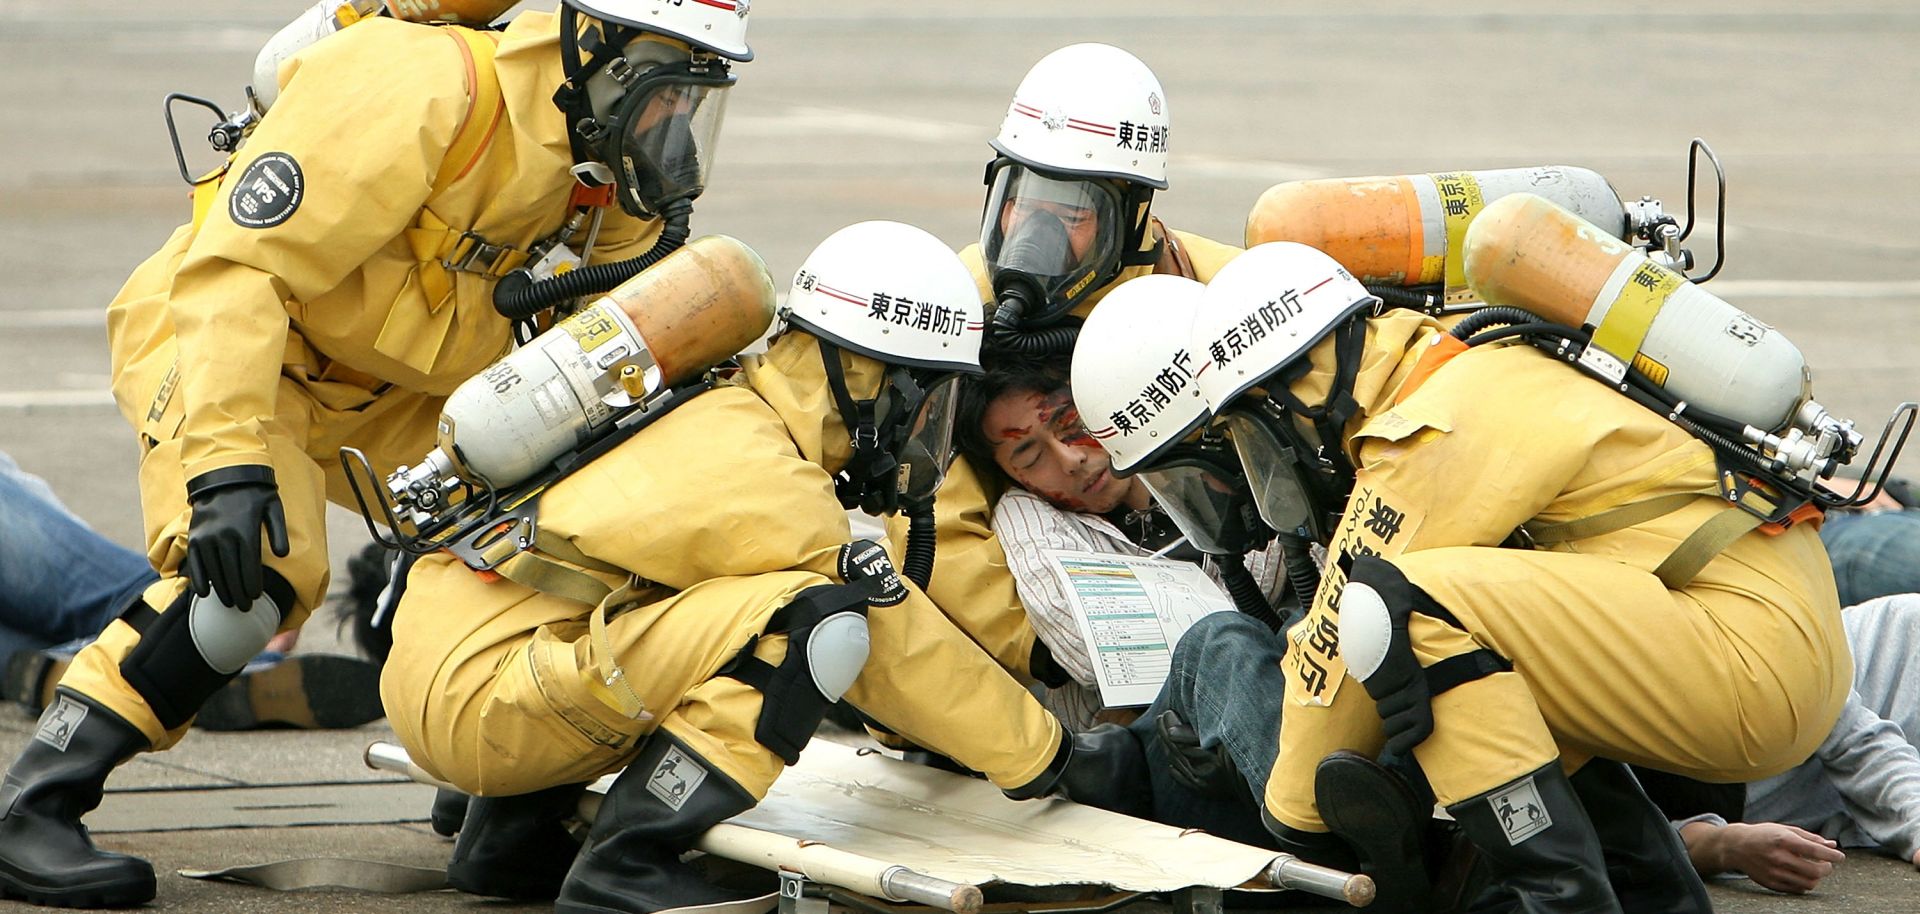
[
  {"x": 1199, "y": 484},
  {"x": 644, "y": 107},
  {"x": 1048, "y": 242}
]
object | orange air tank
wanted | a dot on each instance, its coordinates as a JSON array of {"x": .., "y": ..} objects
[
  {"x": 1528, "y": 252},
  {"x": 696, "y": 308},
  {"x": 1405, "y": 230}
]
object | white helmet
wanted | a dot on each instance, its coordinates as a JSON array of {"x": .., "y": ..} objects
[
  {"x": 1133, "y": 375},
  {"x": 643, "y": 112},
  {"x": 719, "y": 26},
  {"x": 893, "y": 292},
  {"x": 1136, "y": 381},
  {"x": 1082, "y": 149},
  {"x": 1264, "y": 309},
  {"x": 1091, "y": 110}
]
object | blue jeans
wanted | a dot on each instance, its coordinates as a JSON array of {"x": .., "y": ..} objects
[
  {"x": 59, "y": 580},
  {"x": 1873, "y": 554},
  {"x": 1226, "y": 684}
]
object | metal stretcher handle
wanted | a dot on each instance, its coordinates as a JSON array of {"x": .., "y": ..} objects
[{"x": 1290, "y": 872}]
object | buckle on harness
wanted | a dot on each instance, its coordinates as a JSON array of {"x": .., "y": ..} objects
[{"x": 474, "y": 254}]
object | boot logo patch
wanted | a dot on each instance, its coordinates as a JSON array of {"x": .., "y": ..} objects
[
  {"x": 58, "y": 724},
  {"x": 1521, "y": 813},
  {"x": 676, "y": 778}
]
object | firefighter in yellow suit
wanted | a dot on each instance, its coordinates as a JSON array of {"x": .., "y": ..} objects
[
  {"x": 1079, "y": 155},
  {"x": 738, "y": 610},
  {"x": 1639, "y": 630},
  {"x": 337, "y": 285}
]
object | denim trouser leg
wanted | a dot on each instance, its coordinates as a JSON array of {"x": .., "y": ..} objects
[
  {"x": 1226, "y": 684},
  {"x": 59, "y": 580},
  {"x": 1873, "y": 554}
]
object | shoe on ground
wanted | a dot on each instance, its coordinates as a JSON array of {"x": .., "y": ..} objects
[{"x": 307, "y": 691}]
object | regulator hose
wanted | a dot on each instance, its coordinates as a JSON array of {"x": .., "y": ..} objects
[
  {"x": 1246, "y": 591},
  {"x": 1303, "y": 577},
  {"x": 920, "y": 546},
  {"x": 1008, "y": 336},
  {"x": 517, "y": 296},
  {"x": 1425, "y": 299}
]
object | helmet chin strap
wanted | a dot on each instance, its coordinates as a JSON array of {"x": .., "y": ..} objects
[
  {"x": 601, "y": 47},
  {"x": 870, "y": 481},
  {"x": 1329, "y": 419}
]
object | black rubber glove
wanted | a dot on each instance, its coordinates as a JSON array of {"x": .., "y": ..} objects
[
  {"x": 1208, "y": 772},
  {"x": 230, "y": 505},
  {"x": 1400, "y": 695}
]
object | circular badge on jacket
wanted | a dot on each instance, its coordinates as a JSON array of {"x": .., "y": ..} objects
[
  {"x": 268, "y": 192},
  {"x": 865, "y": 562}
]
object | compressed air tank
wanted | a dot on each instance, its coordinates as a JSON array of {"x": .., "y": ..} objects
[
  {"x": 1527, "y": 252},
  {"x": 1405, "y": 230},
  {"x": 694, "y": 309}
]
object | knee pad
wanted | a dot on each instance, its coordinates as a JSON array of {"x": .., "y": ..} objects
[
  {"x": 836, "y": 650},
  {"x": 826, "y": 630},
  {"x": 197, "y": 645},
  {"x": 1375, "y": 605}
]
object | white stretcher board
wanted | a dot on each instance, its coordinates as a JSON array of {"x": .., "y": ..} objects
[{"x": 964, "y": 830}]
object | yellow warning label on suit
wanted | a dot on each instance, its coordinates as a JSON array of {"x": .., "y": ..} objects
[
  {"x": 1460, "y": 201},
  {"x": 1377, "y": 523}
]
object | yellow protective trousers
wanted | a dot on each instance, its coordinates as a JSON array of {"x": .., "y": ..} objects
[
  {"x": 1736, "y": 676},
  {"x": 496, "y": 688},
  {"x": 718, "y": 518}
]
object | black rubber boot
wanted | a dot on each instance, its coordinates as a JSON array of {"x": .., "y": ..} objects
[
  {"x": 46, "y": 856},
  {"x": 516, "y": 847},
  {"x": 1104, "y": 767},
  {"x": 448, "y": 812},
  {"x": 1381, "y": 817},
  {"x": 1646, "y": 863},
  {"x": 1541, "y": 853},
  {"x": 654, "y": 812}
]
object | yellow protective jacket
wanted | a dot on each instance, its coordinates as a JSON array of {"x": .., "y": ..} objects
[
  {"x": 739, "y": 481},
  {"x": 1607, "y": 657},
  {"x": 326, "y": 256},
  {"x": 971, "y": 583}
]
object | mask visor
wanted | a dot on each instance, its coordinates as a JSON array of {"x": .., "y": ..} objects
[
  {"x": 928, "y": 450},
  {"x": 664, "y": 136},
  {"x": 1200, "y": 503},
  {"x": 1060, "y": 235},
  {"x": 1273, "y": 474}
]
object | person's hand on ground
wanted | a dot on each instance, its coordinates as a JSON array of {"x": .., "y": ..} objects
[{"x": 1783, "y": 858}]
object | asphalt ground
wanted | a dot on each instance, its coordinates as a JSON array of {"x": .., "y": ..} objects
[{"x": 867, "y": 109}]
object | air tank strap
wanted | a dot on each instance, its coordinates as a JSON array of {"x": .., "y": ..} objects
[
  {"x": 441, "y": 249},
  {"x": 1686, "y": 560},
  {"x": 555, "y": 566}
]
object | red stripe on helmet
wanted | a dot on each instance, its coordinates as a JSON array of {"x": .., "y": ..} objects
[
  {"x": 728, "y": 5},
  {"x": 1103, "y": 433},
  {"x": 847, "y": 297}
]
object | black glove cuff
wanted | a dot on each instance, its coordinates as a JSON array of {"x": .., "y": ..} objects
[
  {"x": 227, "y": 478},
  {"x": 1049, "y": 779},
  {"x": 1043, "y": 667}
]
